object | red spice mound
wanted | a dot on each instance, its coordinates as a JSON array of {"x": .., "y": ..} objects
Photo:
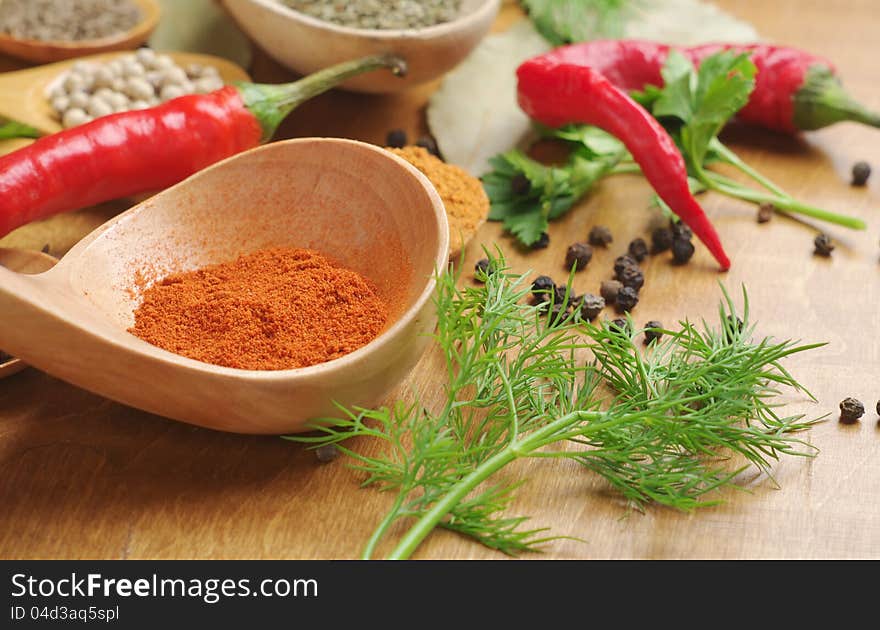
[{"x": 275, "y": 309}]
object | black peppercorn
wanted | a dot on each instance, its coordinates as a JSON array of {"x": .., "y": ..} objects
[
  {"x": 733, "y": 328},
  {"x": 396, "y": 139},
  {"x": 851, "y": 410},
  {"x": 541, "y": 301},
  {"x": 618, "y": 325},
  {"x": 638, "y": 249},
  {"x": 45, "y": 248},
  {"x": 765, "y": 212},
  {"x": 680, "y": 230},
  {"x": 542, "y": 286},
  {"x": 627, "y": 298},
  {"x": 4, "y": 357},
  {"x": 430, "y": 145},
  {"x": 632, "y": 277},
  {"x": 559, "y": 295},
  {"x": 520, "y": 185},
  {"x": 591, "y": 305},
  {"x": 327, "y": 453},
  {"x": 682, "y": 251},
  {"x": 542, "y": 242},
  {"x": 661, "y": 240},
  {"x": 609, "y": 290},
  {"x": 600, "y": 236},
  {"x": 861, "y": 171},
  {"x": 483, "y": 269},
  {"x": 557, "y": 314},
  {"x": 878, "y": 407},
  {"x": 653, "y": 331},
  {"x": 624, "y": 262},
  {"x": 823, "y": 245},
  {"x": 578, "y": 256}
]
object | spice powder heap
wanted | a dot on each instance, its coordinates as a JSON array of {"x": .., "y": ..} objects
[
  {"x": 275, "y": 309},
  {"x": 466, "y": 203}
]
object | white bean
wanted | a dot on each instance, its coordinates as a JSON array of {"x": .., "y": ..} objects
[
  {"x": 73, "y": 82},
  {"x": 171, "y": 91},
  {"x": 173, "y": 76},
  {"x": 99, "y": 107},
  {"x": 163, "y": 62},
  {"x": 138, "y": 88},
  {"x": 155, "y": 78},
  {"x": 207, "y": 84},
  {"x": 117, "y": 100},
  {"x": 139, "y": 105},
  {"x": 146, "y": 56},
  {"x": 118, "y": 84},
  {"x": 82, "y": 67},
  {"x": 103, "y": 77},
  {"x": 115, "y": 67},
  {"x": 60, "y": 104},
  {"x": 79, "y": 99},
  {"x": 133, "y": 69},
  {"x": 210, "y": 71},
  {"x": 195, "y": 70},
  {"x": 57, "y": 90},
  {"x": 104, "y": 93},
  {"x": 74, "y": 117}
]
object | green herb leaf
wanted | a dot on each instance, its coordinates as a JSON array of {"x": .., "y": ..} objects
[
  {"x": 694, "y": 105},
  {"x": 518, "y": 387},
  {"x": 570, "y": 21},
  {"x": 552, "y": 190}
]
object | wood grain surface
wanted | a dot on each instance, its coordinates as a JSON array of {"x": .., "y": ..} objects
[{"x": 82, "y": 477}]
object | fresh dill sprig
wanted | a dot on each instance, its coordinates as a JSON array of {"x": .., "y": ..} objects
[{"x": 663, "y": 425}]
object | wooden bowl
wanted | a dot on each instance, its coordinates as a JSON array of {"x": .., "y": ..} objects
[
  {"x": 357, "y": 203},
  {"x": 38, "y": 51},
  {"x": 305, "y": 44}
]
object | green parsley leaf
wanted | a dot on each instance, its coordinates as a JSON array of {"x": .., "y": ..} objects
[
  {"x": 694, "y": 105},
  {"x": 552, "y": 190}
]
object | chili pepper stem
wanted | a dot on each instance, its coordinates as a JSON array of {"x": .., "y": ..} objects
[
  {"x": 13, "y": 129},
  {"x": 731, "y": 188},
  {"x": 271, "y": 104},
  {"x": 734, "y": 160},
  {"x": 822, "y": 101}
]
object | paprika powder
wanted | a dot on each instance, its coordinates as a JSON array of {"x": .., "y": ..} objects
[{"x": 274, "y": 309}]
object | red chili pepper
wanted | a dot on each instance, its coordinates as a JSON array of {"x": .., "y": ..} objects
[
  {"x": 139, "y": 151},
  {"x": 555, "y": 92},
  {"x": 794, "y": 90}
]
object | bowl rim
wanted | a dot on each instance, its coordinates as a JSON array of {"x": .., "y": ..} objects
[
  {"x": 151, "y": 9},
  {"x": 483, "y": 11},
  {"x": 387, "y": 336}
]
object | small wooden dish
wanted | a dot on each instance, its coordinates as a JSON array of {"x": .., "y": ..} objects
[
  {"x": 306, "y": 44},
  {"x": 38, "y": 51},
  {"x": 357, "y": 203},
  {"x": 24, "y": 93},
  {"x": 26, "y": 262}
]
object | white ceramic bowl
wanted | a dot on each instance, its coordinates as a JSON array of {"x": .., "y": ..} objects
[{"x": 305, "y": 44}]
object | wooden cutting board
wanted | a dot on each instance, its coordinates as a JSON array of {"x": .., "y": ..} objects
[{"x": 82, "y": 477}]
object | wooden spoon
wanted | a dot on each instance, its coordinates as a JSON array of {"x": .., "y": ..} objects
[
  {"x": 39, "y": 51},
  {"x": 370, "y": 210},
  {"x": 23, "y": 94},
  {"x": 27, "y": 262}
]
